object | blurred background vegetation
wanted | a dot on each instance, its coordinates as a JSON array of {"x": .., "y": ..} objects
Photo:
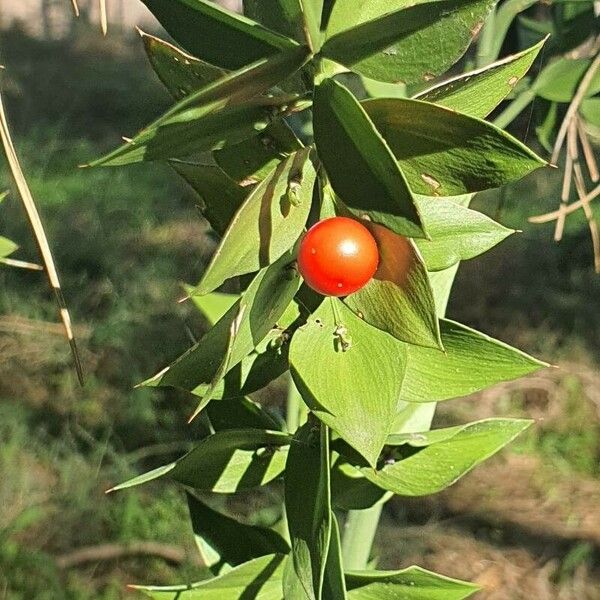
[{"x": 525, "y": 525}]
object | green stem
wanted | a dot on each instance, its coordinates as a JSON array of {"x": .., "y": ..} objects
[
  {"x": 514, "y": 109},
  {"x": 295, "y": 415},
  {"x": 359, "y": 533},
  {"x": 486, "y": 41}
]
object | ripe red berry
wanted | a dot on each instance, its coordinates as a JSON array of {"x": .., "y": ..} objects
[{"x": 338, "y": 256}]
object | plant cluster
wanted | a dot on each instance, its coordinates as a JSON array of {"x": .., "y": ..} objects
[{"x": 272, "y": 128}]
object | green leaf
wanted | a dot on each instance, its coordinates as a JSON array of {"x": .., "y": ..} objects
[
  {"x": 445, "y": 153},
  {"x": 478, "y": 93},
  {"x": 226, "y": 462},
  {"x": 398, "y": 299},
  {"x": 361, "y": 168},
  {"x": 216, "y": 35},
  {"x": 240, "y": 413},
  {"x": 180, "y": 73},
  {"x": 357, "y": 353},
  {"x": 284, "y": 16},
  {"x": 413, "y": 583},
  {"x": 267, "y": 224},
  {"x": 401, "y": 42},
  {"x": 225, "y": 111},
  {"x": 472, "y": 361},
  {"x": 590, "y": 111},
  {"x": 334, "y": 584},
  {"x": 559, "y": 80},
  {"x": 250, "y": 319},
  {"x": 444, "y": 456},
  {"x": 259, "y": 579},
  {"x": 213, "y": 306},
  {"x": 457, "y": 233},
  {"x": 233, "y": 542},
  {"x": 312, "y": 11},
  {"x": 251, "y": 160},
  {"x": 221, "y": 197},
  {"x": 308, "y": 510},
  {"x": 7, "y": 247}
]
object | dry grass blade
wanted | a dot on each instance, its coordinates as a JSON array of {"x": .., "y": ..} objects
[
  {"x": 39, "y": 235},
  {"x": 75, "y": 7},
  {"x": 103, "y": 17},
  {"x": 21, "y": 264}
]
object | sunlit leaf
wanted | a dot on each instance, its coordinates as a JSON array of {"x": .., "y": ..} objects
[
  {"x": 259, "y": 579},
  {"x": 413, "y": 583},
  {"x": 215, "y": 34},
  {"x": 457, "y": 233},
  {"x": 7, "y": 247},
  {"x": 445, "y": 153},
  {"x": 443, "y": 456},
  {"x": 226, "y": 462},
  {"x": 402, "y": 42},
  {"x": 180, "y": 73},
  {"x": 361, "y": 168},
  {"x": 226, "y": 111},
  {"x": 267, "y": 225},
  {"x": 472, "y": 361},
  {"x": 358, "y": 354},
  {"x": 478, "y": 93},
  {"x": 399, "y": 298},
  {"x": 308, "y": 510}
]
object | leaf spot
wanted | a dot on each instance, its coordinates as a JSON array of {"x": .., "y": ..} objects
[
  {"x": 513, "y": 81},
  {"x": 431, "y": 182}
]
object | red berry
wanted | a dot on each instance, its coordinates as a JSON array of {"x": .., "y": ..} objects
[{"x": 338, "y": 256}]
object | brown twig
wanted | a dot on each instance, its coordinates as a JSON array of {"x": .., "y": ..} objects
[
  {"x": 103, "y": 17},
  {"x": 75, "y": 7},
  {"x": 581, "y": 191},
  {"x": 105, "y": 552},
  {"x": 553, "y": 215},
  {"x": 588, "y": 152}
]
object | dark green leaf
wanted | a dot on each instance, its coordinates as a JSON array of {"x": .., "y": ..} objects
[
  {"x": 240, "y": 413},
  {"x": 267, "y": 224},
  {"x": 479, "y": 92},
  {"x": 457, "y": 233},
  {"x": 472, "y": 361},
  {"x": 402, "y": 43},
  {"x": 351, "y": 490},
  {"x": 399, "y": 298},
  {"x": 226, "y": 462},
  {"x": 221, "y": 196},
  {"x": 226, "y": 111},
  {"x": 360, "y": 165},
  {"x": 233, "y": 542},
  {"x": 253, "y": 159},
  {"x": 361, "y": 413},
  {"x": 444, "y": 457},
  {"x": 284, "y": 16},
  {"x": 259, "y": 579},
  {"x": 308, "y": 510},
  {"x": 445, "y": 153},
  {"x": 250, "y": 319},
  {"x": 180, "y": 73},
  {"x": 216, "y": 35},
  {"x": 559, "y": 80},
  {"x": 413, "y": 583}
]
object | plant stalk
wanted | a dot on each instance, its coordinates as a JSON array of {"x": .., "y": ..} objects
[
  {"x": 295, "y": 414},
  {"x": 359, "y": 533}
]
